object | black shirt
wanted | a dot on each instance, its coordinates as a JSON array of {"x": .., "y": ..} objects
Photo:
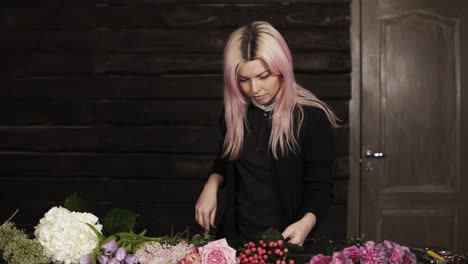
[
  {"x": 257, "y": 206},
  {"x": 304, "y": 180}
]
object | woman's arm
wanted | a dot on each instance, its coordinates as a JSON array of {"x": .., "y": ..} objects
[
  {"x": 318, "y": 146},
  {"x": 205, "y": 209},
  {"x": 319, "y": 159}
]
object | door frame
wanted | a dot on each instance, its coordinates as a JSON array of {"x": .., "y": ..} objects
[{"x": 355, "y": 161}]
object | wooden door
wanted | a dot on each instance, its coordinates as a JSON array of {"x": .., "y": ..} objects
[{"x": 415, "y": 112}]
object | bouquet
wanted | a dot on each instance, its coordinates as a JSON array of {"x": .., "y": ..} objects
[{"x": 370, "y": 253}]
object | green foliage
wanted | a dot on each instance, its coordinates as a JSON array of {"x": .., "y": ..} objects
[
  {"x": 119, "y": 220},
  {"x": 17, "y": 248},
  {"x": 200, "y": 240},
  {"x": 353, "y": 240},
  {"x": 76, "y": 204}
]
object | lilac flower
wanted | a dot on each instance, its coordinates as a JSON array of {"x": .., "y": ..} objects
[
  {"x": 131, "y": 259},
  {"x": 120, "y": 254},
  {"x": 320, "y": 259},
  {"x": 103, "y": 259},
  {"x": 340, "y": 258},
  {"x": 86, "y": 259},
  {"x": 110, "y": 247},
  {"x": 113, "y": 261},
  {"x": 352, "y": 253}
]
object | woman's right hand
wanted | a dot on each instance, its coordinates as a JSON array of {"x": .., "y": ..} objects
[{"x": 205, "y": 209}]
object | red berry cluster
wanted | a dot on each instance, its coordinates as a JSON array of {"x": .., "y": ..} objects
[{"x": 265, "y": 252}]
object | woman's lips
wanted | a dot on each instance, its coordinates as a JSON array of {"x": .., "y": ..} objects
[{"x": 259, "y": 97}]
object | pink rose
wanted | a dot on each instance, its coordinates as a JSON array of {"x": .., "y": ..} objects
[
  {"x": 320, "y": 259},
  {"x": 352, "y": 253},
  {"x": 218, "y": 252}
]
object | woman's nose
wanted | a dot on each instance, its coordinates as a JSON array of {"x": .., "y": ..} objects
[{"x": 255, "y": 87}]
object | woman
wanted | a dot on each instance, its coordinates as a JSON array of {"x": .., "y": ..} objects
[{"x": 277, "y": 153}]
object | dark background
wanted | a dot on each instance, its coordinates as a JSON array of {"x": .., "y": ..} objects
[{"x": 118, "y": 100}]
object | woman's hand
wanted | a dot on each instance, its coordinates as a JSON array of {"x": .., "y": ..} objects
[
  {"x": 205, "y": 209},
  {"x": 298, "y": 231}
]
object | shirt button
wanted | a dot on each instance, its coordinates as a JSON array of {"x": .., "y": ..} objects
[{"x": 265, "y": 114}]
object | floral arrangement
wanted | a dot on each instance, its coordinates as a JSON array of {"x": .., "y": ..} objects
[
  {"x": 71, "y": 235},
  {"x": 370, "y": 253}
]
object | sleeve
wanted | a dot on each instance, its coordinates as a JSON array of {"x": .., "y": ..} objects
[
  {"x": 319, "y": 158},
  {"x": 219, "y": 164}
]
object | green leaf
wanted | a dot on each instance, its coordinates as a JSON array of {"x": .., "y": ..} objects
[
  {"x": 271, "y": 235},
  {"x": 76, "y": 204},
  {"x": 142, "y": 233},
  {"x": 119, "y": 220},
  {"x": 98, "y": 234},
  {"x": 108, "y": 239}
]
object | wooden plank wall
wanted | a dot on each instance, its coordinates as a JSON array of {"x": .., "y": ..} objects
[{"x": 118, "y": 100}]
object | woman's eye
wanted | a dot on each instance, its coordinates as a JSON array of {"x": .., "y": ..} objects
[
  {"x": 264, "y": 77},
  {"x": 242, "y": 80}
]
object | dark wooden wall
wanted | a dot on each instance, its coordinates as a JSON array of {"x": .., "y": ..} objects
[{"x": 118, "y": 100}]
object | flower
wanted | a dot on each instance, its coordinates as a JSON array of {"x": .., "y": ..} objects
[
  {"x": 387, "y": 252},
  {"x": 110, "y": 247},
  {"x": 218, "y": 251},
  {"x": 103, "y": 259},
  {"x": 85, "y": 259},
  {"x": 396, "y": 256},
  {"x": 409, "y": 257},
  {"x": 320, "y": 259},
  {"x": 372, "y": 253},
  {"x": 340, "y": 258},
  {"x": 113, "y": 261},
  {"x": 65, "y": 235},
  {"x": 352, "y": 253},
  {"x": 162, "y": 253},
  {"x": 120, "y": 254},
  {"x": 131, "y": 259},
  {"x": 191, "y": 258}
]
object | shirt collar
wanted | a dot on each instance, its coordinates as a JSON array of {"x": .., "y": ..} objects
[{"x": 267, "y": 108}]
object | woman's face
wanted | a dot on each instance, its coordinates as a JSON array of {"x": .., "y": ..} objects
[{"x": 258, "y": 82}]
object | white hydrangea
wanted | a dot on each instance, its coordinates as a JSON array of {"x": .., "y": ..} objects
[{"x": 65, "y": 235}]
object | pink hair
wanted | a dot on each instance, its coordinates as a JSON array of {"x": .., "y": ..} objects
[{"x": 273, "y": 50}]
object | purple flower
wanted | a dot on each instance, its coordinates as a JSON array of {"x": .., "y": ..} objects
[
  {"x": 113, "y": 261},
  {"x": 409, "y": 257},
  {"x": 389, "y": 245},
  {"x": 103, "y": 259},
  {"x": 131, "y": 259},
  {"x": 320, "y": 259},
  {"x": 340, "y": 258},
  {"x": 352, "y": 253},
  {"x": 86, "y": 259},
  {"x": 120, "y": 254},
  {"x": 110, "y": 247}
]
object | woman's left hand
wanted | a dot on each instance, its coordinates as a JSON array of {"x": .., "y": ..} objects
[{"x": 298, "y": 231}]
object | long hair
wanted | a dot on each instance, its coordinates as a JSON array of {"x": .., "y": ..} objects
[{"x": 259, "y": 40}]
